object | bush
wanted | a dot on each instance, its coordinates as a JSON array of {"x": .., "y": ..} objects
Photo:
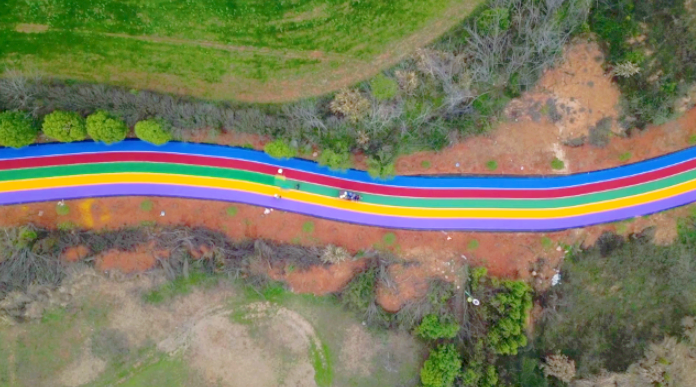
[
  {"x": 442, "y": 367},
  {"x": 379, "y": 170},
  {"x": 64, "y": 126},
  {"x": 153, "y": 131},
  {"x": 435, "y": 327},
  {"x": 17, "y": 130},
  {"x": 383, "y": 88},
  {"x": 351, "y": 104},
  {"x": 494, "y": 20},
  {"x": 337, "y": 161},
  {"x": 279, "y": 149},
  {"x": 101, "y": 126}
]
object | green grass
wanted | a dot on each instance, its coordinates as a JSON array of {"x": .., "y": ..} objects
[
  {"x": 178, "y": 287},
  {"x": 66, "y": 226},
  {"x": 308, "y": 227},
  {"x": 492, "y": 165},
  {"x": 472, "y": 245},
  {"x": 62, "y": 209},
  {"x": 625, "y": 157},
  {"x": 323, "y": 368},
  {"x": 546, "y": 242},
  {"x": 389, "y": 238},
  {"x": 231, "y": 211},
  {"x": 425, "y": 164},
  {"x": 146, "y": 205},
  {"x": 95, "y": 42},
  {"x": 692, "y": 139}
]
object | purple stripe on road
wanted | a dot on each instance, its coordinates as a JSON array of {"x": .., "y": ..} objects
[{"x": 105, "y": 190}]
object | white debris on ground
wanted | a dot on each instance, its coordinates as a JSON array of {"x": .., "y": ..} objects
[{"x": 556, "y": 279}]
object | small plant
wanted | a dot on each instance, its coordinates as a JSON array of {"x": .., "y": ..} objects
[
  {"x": 472, "y": 245},
  {"x": 64, "y": 126},
  {"x": 425, "y": 164},
  {"x": 334, "y": 254},
  {"x": 442, "y": 367},
  {"x": 308, "y": 227},
  {"x": 692, "y": 139},
  {"x": 62, "y": 209},
  {"x": 389, "y": 238},
  {"x": 27, "y": 236},
  {"x": 492, "y": 165},
  {"x": 383, "y": 88},
  {"x": 435, "y": 327},
  {"x": 101, "y": 126},
  {"x": 625, "y": 69},
  {"x": 557, "y": 164},
  {"x": 231, "y": 211},
  {"x": 153, "y": 131},
  {"x": 625, "y": 157},
  {"x": 17, "y": 129},
  {"x": 279, "y": 149},
  {"x": 66, "y": 226},
  {"x": 337, "y": 161},
  {"x": 146, "y": 205},
  {"x": 546, "y": 242},
  {"x": 478, "y": 276}
]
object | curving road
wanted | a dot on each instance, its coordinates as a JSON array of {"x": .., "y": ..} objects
[{"x": 52, "y": 172}]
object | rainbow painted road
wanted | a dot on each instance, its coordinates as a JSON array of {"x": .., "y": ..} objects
[{"x": 52, "y": 172}]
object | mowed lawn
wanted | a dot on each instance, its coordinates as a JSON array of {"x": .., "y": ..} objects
[{"x": 253, "y": 50}]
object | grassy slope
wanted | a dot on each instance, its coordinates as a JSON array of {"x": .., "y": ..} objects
[{"x": 217, "y": 49}]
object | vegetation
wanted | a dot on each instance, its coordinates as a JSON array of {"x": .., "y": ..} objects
[
  {"x": 64, "y": 126},
  {"x": 456, "y": 87},
  {"x": 650, "y": 47},
  {"x": 442, "y": 367},
  {"x": 17, "y": 129},
  {"x": 203, "y": 58},
  {"x": 101, "y": 126},
  {"x": 279, "y": 149},
  {"x": 557, "y": 164},
  {"x": 335, "y": 160},
  {"x": 512, "y": 306},
  {"x": 492, "y": 165},
  {"x": 153, "y": 131},
  {"x": 435, "y": 327}
]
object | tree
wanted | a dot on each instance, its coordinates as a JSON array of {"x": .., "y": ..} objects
[
  {"x": 17, "y": 129},
  {"x": 442, "y": 367},
  {"x": 435, "y": 327},
  {"x": 64, "y": 126},
  {"x": 152, "y": 131},
  {"x": 512, "y": 304},
  {"x": 103, "y": 127},
  {"x": 335, "y": 160}
]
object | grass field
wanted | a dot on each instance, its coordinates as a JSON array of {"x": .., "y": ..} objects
[
  {"x": 253, "y": 50},
  {"x": 202, "y": 333}
]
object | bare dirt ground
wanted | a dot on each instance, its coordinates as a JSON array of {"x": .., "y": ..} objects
[{"x": 569, "y": 100}]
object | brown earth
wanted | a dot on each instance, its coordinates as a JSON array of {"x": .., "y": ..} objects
[{"x": 524, "y": 143}]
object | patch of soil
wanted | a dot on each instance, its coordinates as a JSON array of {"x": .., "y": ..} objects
[
  {"x": 74, "y": 254},
  {"x": 320, "y": 280},
  {"x": 126, "y": 261},
  {"x": 31, "y": 28},
  {"x": 86, "y": 369}
]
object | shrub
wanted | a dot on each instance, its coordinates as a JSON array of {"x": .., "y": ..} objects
[
  {"x": 64, "y": 126},
  {"x": 383, "y": 88},
  {"x": 442, "y": 367},
  {"x": 334, "y": 254},
  {"x": 435, "y": 327},
  {"x": 337, "y": 161},
  {"x": 557, "y": 164},
  {"x": 380, "y": 170},
  {"x": 103, "y": 127},
  {"x": 560, "y": 367},
  {"x": 279, "y": 149},
  {"x": 359, "y": 294},
  {"x": 17, "y": 130},
  {"x": 153, "y": 131},
  {"x": 351, "y": 104},
  {"x": 492, "y": 165}
]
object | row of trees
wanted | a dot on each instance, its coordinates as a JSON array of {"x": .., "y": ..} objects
[{"x": 18, "y": 129}]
